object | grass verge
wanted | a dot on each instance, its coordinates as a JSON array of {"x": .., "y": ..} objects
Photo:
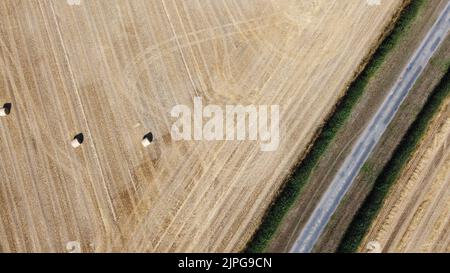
[
  {"x": 302, "y": 172},
  {"x": 403, "y": 153}
]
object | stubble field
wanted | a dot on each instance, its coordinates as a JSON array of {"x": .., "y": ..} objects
[
  {"x": 114, "y": 69},
  {"x": 415, "y": 215}
]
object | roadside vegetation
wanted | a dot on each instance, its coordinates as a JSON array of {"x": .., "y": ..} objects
[
  {"x": 391, "y": 172},
  {"x": 302, "y": 172}
]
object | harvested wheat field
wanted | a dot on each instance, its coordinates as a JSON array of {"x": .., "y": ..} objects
[
  {"x": 113, "y": 70},
  {"x": 415, "y": 216}
]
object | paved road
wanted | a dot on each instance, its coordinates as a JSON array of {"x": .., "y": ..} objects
[{"x": 371, "y": 135}]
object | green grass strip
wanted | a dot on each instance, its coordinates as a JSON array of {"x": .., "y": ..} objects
[
  {"x": 389, "y": 175},
  {"x": 302, "y": 172}
]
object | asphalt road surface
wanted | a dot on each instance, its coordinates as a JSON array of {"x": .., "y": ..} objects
[{"x": 371, "y": 135}]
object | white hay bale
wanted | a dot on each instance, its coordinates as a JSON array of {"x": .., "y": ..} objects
[
  {"x": 77, "y": 141},
  {"x": 147, "y": 140},
  {"x": 4, "y": 111}
]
